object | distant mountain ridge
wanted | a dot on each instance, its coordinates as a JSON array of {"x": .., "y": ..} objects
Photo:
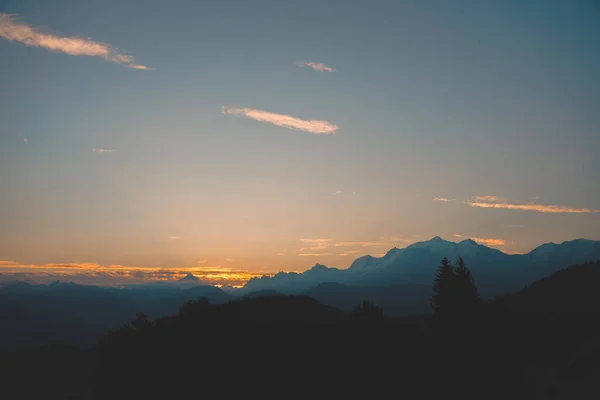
[{"x": 494, "y": 271}]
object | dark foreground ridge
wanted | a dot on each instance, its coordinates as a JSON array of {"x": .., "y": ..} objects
[{"x": 541, "y": 342}]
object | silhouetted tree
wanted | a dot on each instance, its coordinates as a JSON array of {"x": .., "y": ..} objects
[
  {"x": 368, "y": 312},
  {"x": 441, "y": 301},
  {"x": 454, "y": 290},
  {"x": 465, "y": 293}
]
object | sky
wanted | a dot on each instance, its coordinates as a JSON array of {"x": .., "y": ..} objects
[{"x": 237, "y": 138}]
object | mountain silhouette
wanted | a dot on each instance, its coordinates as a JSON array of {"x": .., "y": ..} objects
[
  {"x": 494, "y": 271},
  {"x": 190, "y": 278}
]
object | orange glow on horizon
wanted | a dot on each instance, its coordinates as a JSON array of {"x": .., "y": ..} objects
[{"x": 120, "y": 275}]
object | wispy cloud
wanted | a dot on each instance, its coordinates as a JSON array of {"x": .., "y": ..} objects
[
  {"x": 25, "y": 140},
  {"x": 359, "y": 244},
  {"x": 202, "y": 261},
  {"x": 492, "y": 202},
  {"x": 283, "y": 253},
  {"x": 175, "y": 238},
  {"x": 316, "y": 66},
  {"x": 104, "y": 150},
  {"x": 312, "y": 241},
  {"x": 398, "y": 239},
  {"x": 490, "y": 199},
  {"x": 72, "y": 45},
  {"x": 504, "y": 203},
  {"x": 349, "y": 253},
  {"x": 229, "y": 259},
  {"x": 323, "y": 247},
  {"x": 341, "y": 192},
  {"x": 490, "y": 241},
  {"x": 485, "y": 241},
  {"x": 313, "y": 126}
]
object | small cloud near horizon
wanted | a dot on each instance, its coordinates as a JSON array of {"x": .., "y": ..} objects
[
  {"x": 490, "y": 241},
  {"x": 349, "y": 253},
  {"x": 72, "y": 45},
  {"x": 104, "y": 150},
  {"x": 321, "y": 247},
  {"x": 316, "y": 66},
  {"x": 316, "y": 127},
  {"x": 443, "y": 199},
  {"x": 484, "y": 241}
]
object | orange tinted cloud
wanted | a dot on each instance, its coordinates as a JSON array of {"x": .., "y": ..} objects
[
  {"x": 73, "y": 45},
  {"x": 493, "y": 199},
  {"x": 500, "y": 202},
  {"x": 541, "y": 208},
  {"x": 490, "y": 241},
  {"x": 349, "y": 253},
  {"x": 313, "y": 126}
]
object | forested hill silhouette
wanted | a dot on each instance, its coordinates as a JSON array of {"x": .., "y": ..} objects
[
  {"x": 283, "y": 345},
  {"x": 470, "y": 347},
  {"x": 495, "y": 271},
  {"x": 67, "y": 313},
  {"x": 572, "y": 290}
]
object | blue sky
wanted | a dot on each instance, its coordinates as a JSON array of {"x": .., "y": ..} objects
[{"x": 480, "y": 102}]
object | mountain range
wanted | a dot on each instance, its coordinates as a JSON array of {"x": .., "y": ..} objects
[
  {"x": 400, "y": 282},
  {"x": 494, "y": 272}
]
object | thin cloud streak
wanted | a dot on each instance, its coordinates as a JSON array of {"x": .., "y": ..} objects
[
  {"x": 316, "y": 127},
  {"x": 490, "y": 199},
  {"x": 325, "y": 247},
  {"x": 552, "y": 209},
  {"x": 349, "y": 253},
  {"x": 500, "y": 202},
  {"x": 73, "y": 45},
  {"x": 316, "y": 66},
  {"x": 104, "y": 150},
  {"x": 175, "y": 238},
  {"x": 490, "y": 241}
]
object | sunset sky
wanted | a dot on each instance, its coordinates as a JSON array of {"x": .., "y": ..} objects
[{"x": 145, "y": 139}]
